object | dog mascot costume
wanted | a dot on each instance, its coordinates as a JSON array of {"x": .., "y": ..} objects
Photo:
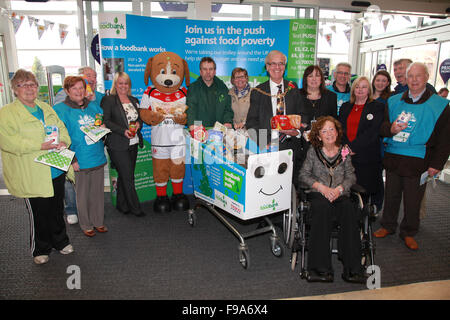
[{"x": 163, "y": 106}]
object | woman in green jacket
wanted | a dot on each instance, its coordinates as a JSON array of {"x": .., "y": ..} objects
[{"x": 22, "y": 139}]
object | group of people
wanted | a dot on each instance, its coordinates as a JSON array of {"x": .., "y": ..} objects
[{"x": 350, "y": 133}]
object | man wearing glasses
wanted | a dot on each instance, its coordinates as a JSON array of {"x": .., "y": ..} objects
[
  {"x": 341, "y": 85},
  {"x": 273, "y": 97}
]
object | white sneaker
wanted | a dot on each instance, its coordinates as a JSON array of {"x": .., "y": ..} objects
[
  {"x": 72, "y": 219},
  {"x": 67, "y": 249},
  {"x": 40, "y": 259}
]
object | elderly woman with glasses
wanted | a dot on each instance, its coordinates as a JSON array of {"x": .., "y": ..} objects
[
  {"x": 23, "y": 126},
  {"x": 328, "y": 174}
]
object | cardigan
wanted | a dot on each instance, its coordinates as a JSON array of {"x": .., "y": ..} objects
[
  {"x": 313, "y": 170},
  {"x": 21, "y": 137}
]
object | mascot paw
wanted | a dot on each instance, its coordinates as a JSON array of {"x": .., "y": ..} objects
[
  {"x": 180, "y": 119},
  {"x": 151, "y": 117},
  {"x": 179, "y": 202},
  {"x": 162, "y": 204}
]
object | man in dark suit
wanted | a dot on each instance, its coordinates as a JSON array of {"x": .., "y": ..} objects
[{"x": 264, "y": 104}]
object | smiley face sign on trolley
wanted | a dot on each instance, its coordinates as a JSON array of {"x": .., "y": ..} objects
[{"x": 260, "y": 187}]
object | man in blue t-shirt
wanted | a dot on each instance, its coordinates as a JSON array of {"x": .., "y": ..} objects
[{"x": 341, "y": 84}]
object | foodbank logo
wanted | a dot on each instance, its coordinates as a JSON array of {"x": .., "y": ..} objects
[
  {"x": 115, "y": 26},
  {"x": 273, "y": 205}
]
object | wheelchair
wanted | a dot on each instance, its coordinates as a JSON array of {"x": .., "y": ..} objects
[{"x": 296, "y": 228}]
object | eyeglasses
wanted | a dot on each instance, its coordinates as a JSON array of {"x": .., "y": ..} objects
[
  {"x": 324, "y": 131},
  {"x": 343, "y": 73},
  {"x": 27, "y": 85},
  {"x": 274, "y": 64}
]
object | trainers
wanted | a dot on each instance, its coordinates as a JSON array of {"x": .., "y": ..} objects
[
  {"x": 72, "y": 219},
  {"x": 40, "y": 259},
  {"x": 67, "y": 249}
]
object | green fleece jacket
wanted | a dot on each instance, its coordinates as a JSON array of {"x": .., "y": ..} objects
[
  {"x": 208, "y": 104},
  {"x": 21, "y": 137}
]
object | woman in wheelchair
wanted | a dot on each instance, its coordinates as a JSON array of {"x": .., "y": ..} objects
[{"x": 328, "y": 174}]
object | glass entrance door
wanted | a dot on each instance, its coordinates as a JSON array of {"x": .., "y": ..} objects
[{"x": 5, "y": 93}]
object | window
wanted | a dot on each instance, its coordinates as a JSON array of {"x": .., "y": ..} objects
[
  {"x": 444, "y": 54},
  {"x": 425, "y": 53},
  {"x": 41, "y": 38},
  {"x": 333, "y": 40},
  {"x": 381, "y": 25}
]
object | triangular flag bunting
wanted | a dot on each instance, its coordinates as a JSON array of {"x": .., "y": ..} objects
[
  {"x": 63, "y": 35},
  {"x": 40, "y": 30},
  {"x": 367, "y": 29},
  {"x": 385, "y": 24},
  {"x": 347, "y": 34},
  {"x": 329, "y": 38},
  {"x": 31, "y": 20}
]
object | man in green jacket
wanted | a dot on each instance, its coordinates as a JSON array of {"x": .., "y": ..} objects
[{"x": 208, "y": 99}]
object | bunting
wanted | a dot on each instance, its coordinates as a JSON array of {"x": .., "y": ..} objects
[
  {"x": 385, "y": 24},
  {"x": 40, "y": 30},
  {"x": 347, "y": 33},
  {"x": 17, "y": 21},
  {"x": 41, "y": 27},
  {"x": 329, "y": 37},
  {"x": 63, "y": 32},
  {"x": 367, "y": 29}
]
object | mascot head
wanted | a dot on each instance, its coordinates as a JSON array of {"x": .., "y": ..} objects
[{"x": 167, "y": 71}]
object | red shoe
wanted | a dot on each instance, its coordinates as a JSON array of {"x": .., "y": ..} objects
[
  {"x": 101, "y": 229},
  {"x": 89, "y": 233},
  {"x": 381, "y": 233},
  {"x": 411, "y": 243}
]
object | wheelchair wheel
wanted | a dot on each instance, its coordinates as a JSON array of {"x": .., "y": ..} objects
[
  {"x": 290, "y": 225},
  {"x": 294, "y": 260},
  {"x": 368, "y": 245}
]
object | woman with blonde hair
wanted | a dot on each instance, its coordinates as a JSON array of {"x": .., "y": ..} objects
[
  {"x": 361, "y": 120},
  {"x": 122, "y": 117}
]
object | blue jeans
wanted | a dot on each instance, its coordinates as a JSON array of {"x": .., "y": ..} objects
[{"x": 70, "y": 199}]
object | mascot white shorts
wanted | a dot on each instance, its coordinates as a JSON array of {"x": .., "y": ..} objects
[{"x": 175, "y": 152}]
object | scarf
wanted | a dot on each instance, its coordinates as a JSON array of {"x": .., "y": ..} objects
[
  {"x": 75, "y": 105},
  {"x": 243, "y": 92}
]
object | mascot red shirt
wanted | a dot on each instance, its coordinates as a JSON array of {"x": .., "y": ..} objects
[{"x": 163, "y": 107}]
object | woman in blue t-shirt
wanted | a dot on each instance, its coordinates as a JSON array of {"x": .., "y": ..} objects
[{"x": 77, "y": 111}]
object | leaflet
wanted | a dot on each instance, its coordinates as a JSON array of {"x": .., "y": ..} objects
[
  {"x": 58, "y": 159},
  {"x": 95, "y": 133}
]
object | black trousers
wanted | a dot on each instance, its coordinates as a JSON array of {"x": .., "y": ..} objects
[
  {"x": 125, "y": 163},
  {"x": 412, "y": 192},
  {"x": 47, "y": 226},
  {"x": 299, "y": 155},
  {"x": 349, "y": 243}
]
